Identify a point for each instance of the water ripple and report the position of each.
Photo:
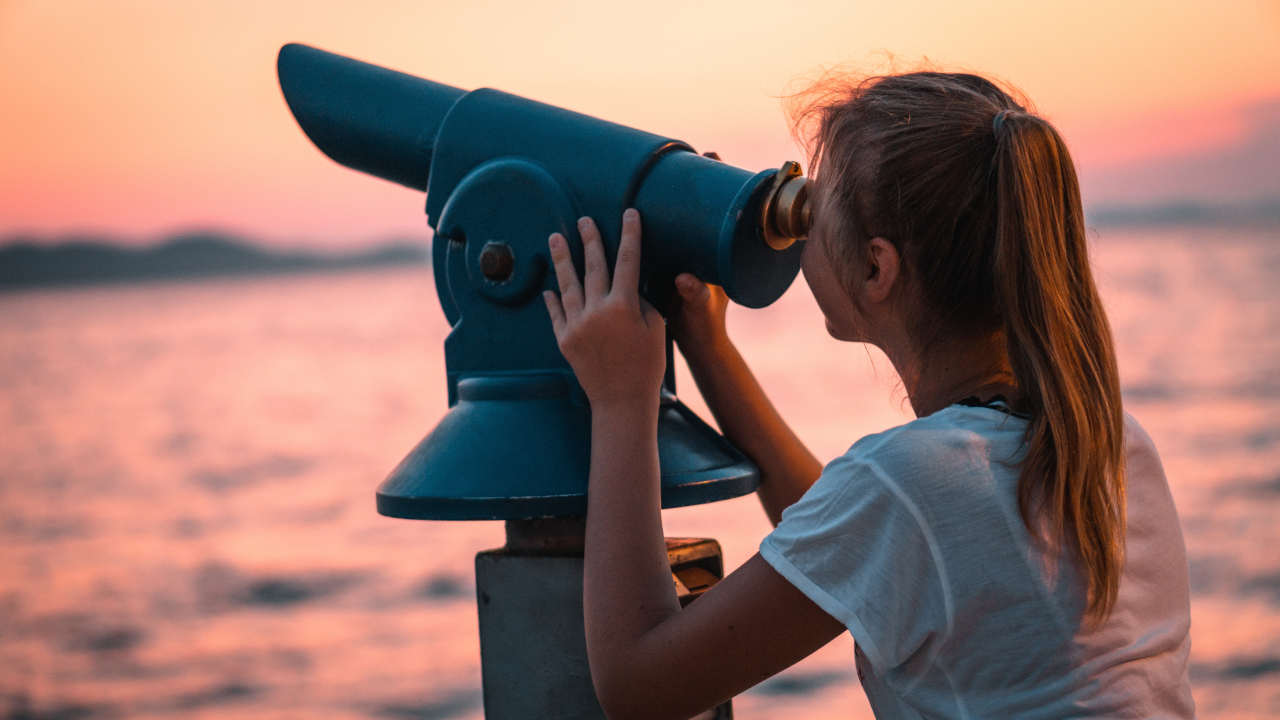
(452, 703)
(800, 683)
(247, 474)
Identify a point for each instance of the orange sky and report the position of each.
(141, 118)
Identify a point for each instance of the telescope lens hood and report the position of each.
(369, 118)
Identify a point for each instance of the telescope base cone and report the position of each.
(518, 447)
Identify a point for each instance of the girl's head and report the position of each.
(969, 201)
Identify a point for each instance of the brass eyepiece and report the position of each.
(785, 214)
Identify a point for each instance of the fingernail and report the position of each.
(631, 214)
(553, 239)
(582, 221)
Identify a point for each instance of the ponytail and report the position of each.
(1060, 350)
(987, 217)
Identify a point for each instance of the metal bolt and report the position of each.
(496, 261)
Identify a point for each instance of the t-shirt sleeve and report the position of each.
(855, 544)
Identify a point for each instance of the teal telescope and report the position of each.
(501, 173)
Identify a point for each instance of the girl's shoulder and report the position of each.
(1137, 442)
(961, 454)
(963, 434)
(957, 458)
(952, 438)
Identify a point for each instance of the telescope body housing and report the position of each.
(501, 173)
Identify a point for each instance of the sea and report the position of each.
(187, 476)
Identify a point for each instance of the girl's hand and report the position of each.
(699, 323)
(613, 339)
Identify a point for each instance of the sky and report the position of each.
(138, 119)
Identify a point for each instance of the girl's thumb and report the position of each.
(689, 286)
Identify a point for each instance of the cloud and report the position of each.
(1241, 170)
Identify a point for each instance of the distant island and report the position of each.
(1257, 213)
(29, 262)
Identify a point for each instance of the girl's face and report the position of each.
(842, 318)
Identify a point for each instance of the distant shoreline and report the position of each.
(1260, 214)
(34, 262)
(26, 264)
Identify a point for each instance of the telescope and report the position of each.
(501, 173)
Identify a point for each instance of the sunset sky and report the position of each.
(143, 118)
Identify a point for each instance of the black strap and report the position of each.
(998, 402)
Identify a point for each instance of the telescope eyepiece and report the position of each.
(785, 214)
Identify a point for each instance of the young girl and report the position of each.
(1012, 552)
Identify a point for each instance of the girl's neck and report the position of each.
(952, 370)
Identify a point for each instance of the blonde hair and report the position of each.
(987, 219)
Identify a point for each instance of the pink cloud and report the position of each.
(1239, 167)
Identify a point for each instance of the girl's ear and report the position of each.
(882, 272)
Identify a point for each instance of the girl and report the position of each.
(1012, 552)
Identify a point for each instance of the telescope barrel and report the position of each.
(364, 116)
(725, 224)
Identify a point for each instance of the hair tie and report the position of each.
(998, 121)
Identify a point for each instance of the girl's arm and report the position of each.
(741, 408)
(649, 658)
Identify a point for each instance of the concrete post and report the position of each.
(533, 652)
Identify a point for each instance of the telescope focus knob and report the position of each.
(496, 261)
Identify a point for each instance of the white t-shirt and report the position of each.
(913, 540)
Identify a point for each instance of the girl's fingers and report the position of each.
(596, 276)
(566, 276)
(650, 313)
(554, 311)
(691, 288)
(626, 274)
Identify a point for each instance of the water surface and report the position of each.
(186, 495)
